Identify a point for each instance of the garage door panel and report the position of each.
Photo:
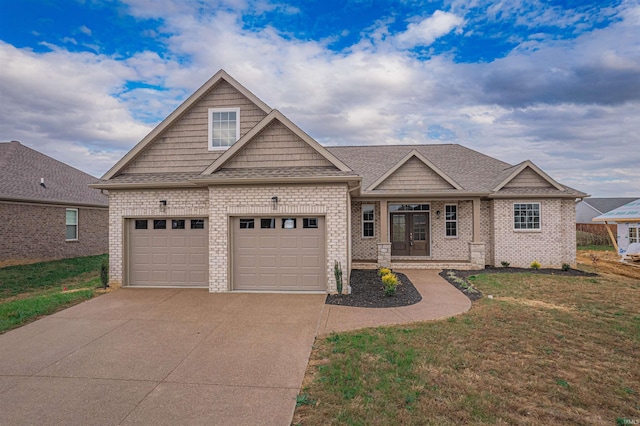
(168, 257)
(283, 259)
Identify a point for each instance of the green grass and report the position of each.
(28, 292)
(545, 350)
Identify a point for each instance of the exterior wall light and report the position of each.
(163, 205)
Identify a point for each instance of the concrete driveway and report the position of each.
(160, 356)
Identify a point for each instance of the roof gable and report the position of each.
(23, 169)
(528, 175)
(630, 212)
(183, 134)
(414, 172)
(275, 136)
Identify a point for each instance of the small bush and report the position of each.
(566, 266)
(390, 282)
(535, 265)
(384, 271)
(337, 271)
(505, 264)
(104, 273)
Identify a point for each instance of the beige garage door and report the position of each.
(281, 254)
(168, 252)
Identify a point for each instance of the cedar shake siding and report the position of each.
(183, 146)
(528, 179)
(32, 232)
(404, 179)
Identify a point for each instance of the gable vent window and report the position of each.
(224, 127)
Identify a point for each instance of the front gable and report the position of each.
(528, 175)
(414, 173)
(180, 143)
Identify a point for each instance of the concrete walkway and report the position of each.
(439, 300)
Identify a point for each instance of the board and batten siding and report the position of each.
(277, 146)
(528, 179)
(184, 147)
(414, 175)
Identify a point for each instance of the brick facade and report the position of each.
(36, 232)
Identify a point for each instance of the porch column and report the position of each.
(384, 246)
(476, 221)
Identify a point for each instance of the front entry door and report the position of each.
(410, 234)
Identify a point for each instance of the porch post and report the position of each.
(384, 222)
(476, 221)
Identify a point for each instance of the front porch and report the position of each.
(416, 264)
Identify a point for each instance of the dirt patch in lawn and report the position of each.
(535, 303)
(608, 262)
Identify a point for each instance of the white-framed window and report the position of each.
(634, 234)
(526, 216)
(368, 220)
(72, 224)
(224, 127)
(451, 220)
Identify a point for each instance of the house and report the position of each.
(589, 208)
(627, 217)
(47, 211)
(227, 193)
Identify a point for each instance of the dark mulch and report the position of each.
(474, 294)
(367, 291)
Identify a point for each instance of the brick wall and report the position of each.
(34, 232)
(552, 245)
(327, 200)
(451, 248)
(364, 248)
(146, 203)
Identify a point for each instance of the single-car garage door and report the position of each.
(170, 252)
(279, 253)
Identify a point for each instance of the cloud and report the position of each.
(85, 30)
(425, 32)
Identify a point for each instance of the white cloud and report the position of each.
(85, 30)
(425, 32)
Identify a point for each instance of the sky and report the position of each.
(554, 82)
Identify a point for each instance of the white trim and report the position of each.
(456, 221)
(513, 217)
(210, 113)
(372, 221)
(71, 224)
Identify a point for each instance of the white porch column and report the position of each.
(384, 222)
(476, 221)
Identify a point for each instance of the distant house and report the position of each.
(589, 208)
(627, 217)
(229, 194)
(47, 211)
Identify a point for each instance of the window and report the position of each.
(451, 220)
(159, 224)
(526, 216)
(224, 127)
(268, 223)
(310, 222)
(368, 220)
(72, 224)
(141, 224)
(197, 223)
(289, 223)
(408, 207)
(177, 224)
(634, 234)
(246, 223)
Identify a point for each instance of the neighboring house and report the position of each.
(627, 217)
(229, 194)
(589, 208)
(47, 210)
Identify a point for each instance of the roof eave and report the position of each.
(143, 185)
(443, 195)
(272, 180)
(532, 195)
(54, 202)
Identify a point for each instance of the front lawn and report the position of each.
(30, 291)
(544, 350)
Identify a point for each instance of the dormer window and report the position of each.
(224, 127)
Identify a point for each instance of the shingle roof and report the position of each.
(604, 205)
(22, 168)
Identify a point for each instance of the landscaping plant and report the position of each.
(337, 271)
(535, 265)
(104, 273)
(390, 282)
(384, 271)
(505, 264)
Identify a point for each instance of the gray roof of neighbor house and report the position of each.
(21, 171)
(604, 205)
(473, 171)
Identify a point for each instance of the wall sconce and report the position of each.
(163, 205)
(274, 202)
(438, 214)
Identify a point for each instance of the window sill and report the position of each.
(527, 230)
(369, 238)
(72, 241)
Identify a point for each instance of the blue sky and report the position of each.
(556, 82)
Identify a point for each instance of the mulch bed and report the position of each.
(475, 295)
(367, 291)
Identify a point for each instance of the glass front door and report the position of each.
(410, 234)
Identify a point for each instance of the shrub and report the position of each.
(535, 265)
(384, 271)
(104, 273)
(337, 271)
(566, 266)
(390, 282)
(505, 264)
